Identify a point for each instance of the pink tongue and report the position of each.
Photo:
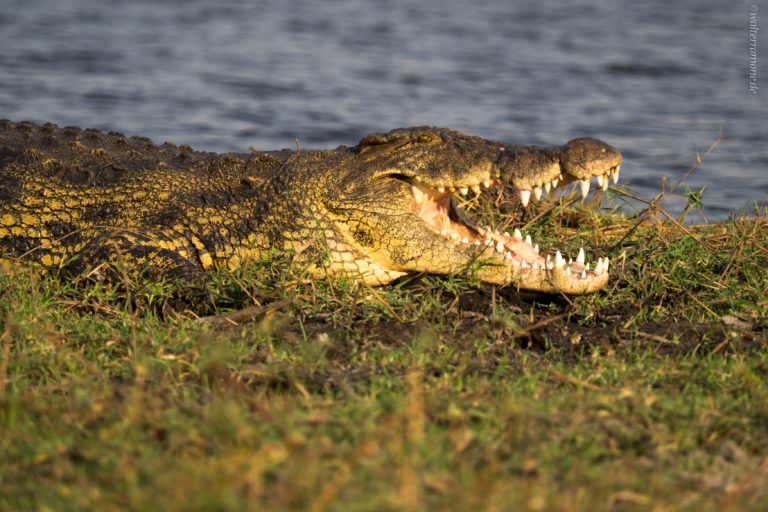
(521, 250)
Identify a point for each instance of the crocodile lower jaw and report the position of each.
(531, 270)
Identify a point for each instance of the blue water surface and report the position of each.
(659, 80)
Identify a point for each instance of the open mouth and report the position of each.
(437, 209)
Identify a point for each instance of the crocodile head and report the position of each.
(396, 206)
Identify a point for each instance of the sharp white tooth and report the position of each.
(549, 258)
(441, 189)
(537, 193)
(599, 266)
(550, 265)
(525, 197)
(559, 261)
(615, 174)
(487, 183)
(500, 247)
(536, 248)
(570, 260)
(454, 236)
(568, 270)
(465, 240)
(605, 263)
(584, 187)
(535, 266)
(444, 232)
(508, 255)
(528, 239)
(555, 182)
(476, 189)
(580, 257)
(517, 234)
(464, 191)
(548, 187)
(524, 264)
(477, 242)
(583, 274)
(587, 266)
(606, 181)
(600, 181)
(506, 234)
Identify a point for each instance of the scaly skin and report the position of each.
(94, 202)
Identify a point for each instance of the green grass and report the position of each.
(430, 394)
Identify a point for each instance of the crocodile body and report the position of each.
(100, 202)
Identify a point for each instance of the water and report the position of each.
(657, 79)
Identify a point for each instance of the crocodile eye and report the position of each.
(426, 138)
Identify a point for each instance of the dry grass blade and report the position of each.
(573, 380)
(5, 340)
(243, 315)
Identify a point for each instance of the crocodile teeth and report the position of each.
(518, 235)
(584, 187)
(568, 270)
(444, 233)
(600, 181)
(464, 191)
(547, 187)
(550, 265)
(441, 189)
(555, 182)
(615, 174)
(476, 189)
(506, 234)
(580, 257)
(508, 255)
(500, 247)
(537, 193)
(528, 239)
(525, 197)
(583, 274)
(602, 265)
(487, 183)
(606, 180)
(535, 266)
(536, 248)
(523, 264)
(465, 240)
(454, 236)
(559, 261)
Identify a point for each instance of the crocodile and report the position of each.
(101, 203)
